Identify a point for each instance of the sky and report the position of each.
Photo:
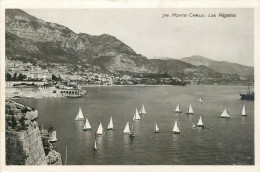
(148, 33)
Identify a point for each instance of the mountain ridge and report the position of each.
(31, 39)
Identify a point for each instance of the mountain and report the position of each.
(182, 69)
(31, 39)
(220, 66)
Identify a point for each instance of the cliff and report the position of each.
(24, 145)
(31, 39)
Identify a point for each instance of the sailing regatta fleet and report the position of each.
(137, 116)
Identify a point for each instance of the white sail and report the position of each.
(193, 126)
(225, 114)
(143, 111)
(136, 116)
(244, 110)
(79, 115)
(87, 125)
(200, 100)
(176, 128)
(200, 123)
(127, 128)
(177, 108)
(156, 128)
(100, 129)
(190, 110)
(110, 125)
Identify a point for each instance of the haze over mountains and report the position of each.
(31, 39)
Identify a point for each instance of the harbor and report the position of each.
(219, 141)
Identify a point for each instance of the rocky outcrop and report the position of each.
(24, 144)
(31, 39)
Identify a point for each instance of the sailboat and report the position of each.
(100, 130)
(200, 123)
(87, 125)
(142, 111)
(244, 111)
(190, 110)
(177, 110)
(95, 146)
(79, 115)
(127, 129)
(225, 114)
(110, 125)
(193, 126)
(136, 116)
(156, 129)
(176, 128)
(201, 100)
(132, 134)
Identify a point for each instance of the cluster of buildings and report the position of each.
(69, 72)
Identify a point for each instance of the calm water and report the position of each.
(223, 141)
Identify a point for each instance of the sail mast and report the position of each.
(66, 156)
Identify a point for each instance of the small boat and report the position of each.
(136, 116)
(127, 129)
(176, 129)
(100, 130)
(156, 129)
(244, 111)
(177, 110)
(87, 125)
(193, 126)
(200, 123)
(201, 100)
(110, 125)
(79, 115)
(249, 95)
(132, 134)
(225, 114)
(142, 111)
(95, 146)
(16, 97)
(190, 110)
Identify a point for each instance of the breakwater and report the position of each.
(24, 142)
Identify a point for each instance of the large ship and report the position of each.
(249, 95)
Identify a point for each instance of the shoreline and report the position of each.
(86, 86)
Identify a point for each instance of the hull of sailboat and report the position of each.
(176, 132)
(200, 125)
(178, 111)
(225, 116)
(156, 131)
(80, 119)
(110, 128)
(127, 132)
(132, 135)
(188, 113)
(86, 129)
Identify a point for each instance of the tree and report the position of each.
(8, 77)
(21, 77)
(14, 77)
(54, 78)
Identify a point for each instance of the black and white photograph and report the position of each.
(128, 86)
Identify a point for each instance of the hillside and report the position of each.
(31, 39)
(220, 66)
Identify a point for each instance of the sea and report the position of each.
(221, 142)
